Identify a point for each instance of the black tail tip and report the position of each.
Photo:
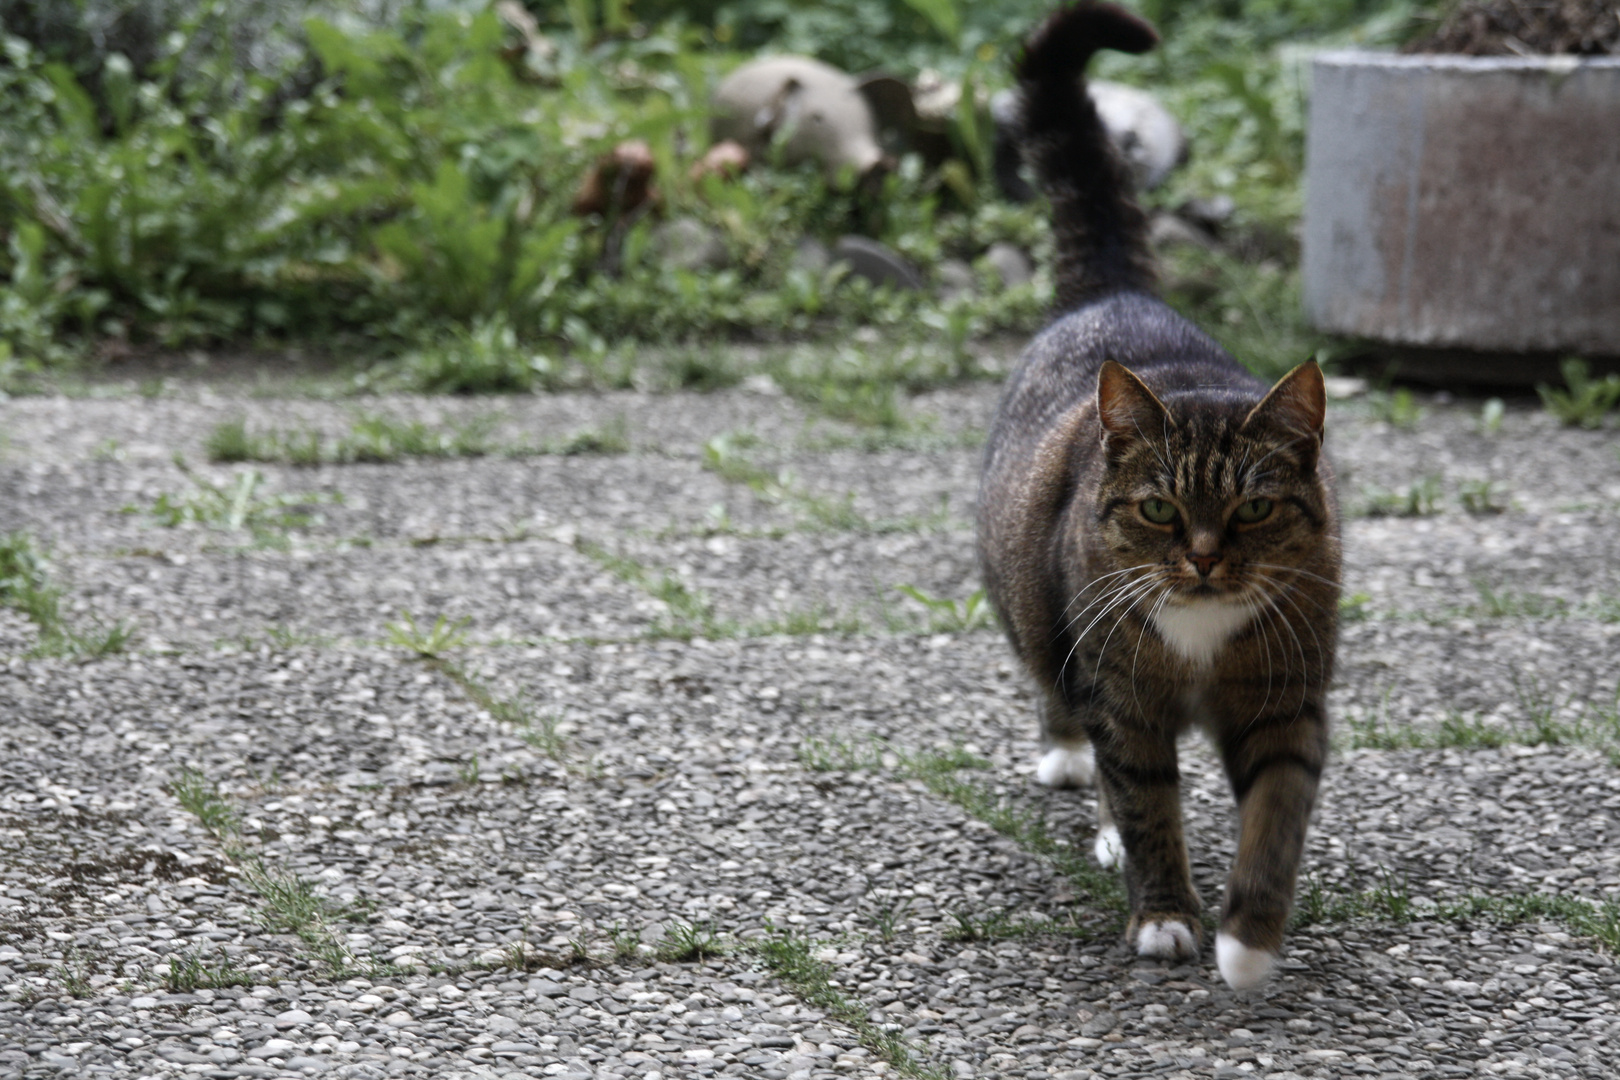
(1068, 38)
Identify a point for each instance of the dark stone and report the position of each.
(877, 263)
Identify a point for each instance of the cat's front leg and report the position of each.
(1139, 794)
(1066, 759)
(1274, 764)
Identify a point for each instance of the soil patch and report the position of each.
(1526, 28)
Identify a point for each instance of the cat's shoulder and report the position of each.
(1138, 330)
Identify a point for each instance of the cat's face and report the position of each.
(1212, 506)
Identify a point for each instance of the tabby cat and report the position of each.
(1158, 533)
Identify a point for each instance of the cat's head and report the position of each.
(1214, 498)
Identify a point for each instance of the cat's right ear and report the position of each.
(1127, 408)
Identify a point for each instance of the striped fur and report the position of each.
(1135, 631)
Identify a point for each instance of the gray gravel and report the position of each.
(501, 897)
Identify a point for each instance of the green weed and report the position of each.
(685, 942)
(240, 506)
(371, 439)
(792, 959)
(1391, 900)
(626, 943)
(889, 919)
(1491, 415)
(689, 613)
(74, 974)
(1421, 498)
(432, 643)
(612, 437)
(1480, 497)
(288, 902)
(1470, 733)
(836, 754)
(200, 796)
(1398, 408)
(484, 359)
(940, 771)
(194, 971)
(947, 615)
(1586, 401)
(26, 587)
(1504, 604)
(1353, 607)
(1370, 729)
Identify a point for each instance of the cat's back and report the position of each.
(1056, 378)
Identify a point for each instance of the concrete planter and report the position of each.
(1465, 202)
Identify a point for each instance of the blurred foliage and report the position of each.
(384, 178)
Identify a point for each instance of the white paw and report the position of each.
(1168, 940)
(1063, 767)
(1243, 968)
(1109, 848)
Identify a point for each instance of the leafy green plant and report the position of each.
(74, 974)
(612, 437)
(1398, 408)
(26, 586)
(947, 615)
(1504, 603)
(195, 970)
(239, 506)
(792, 958)
(1491, 415)
(1481, 497)
(200, 796)
(626, 943)
(684, 942)
(1586, 401)
(486, 358)
(432, 643)
(1353, 607)
(1421, 498)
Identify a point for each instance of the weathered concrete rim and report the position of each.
(1562, 64)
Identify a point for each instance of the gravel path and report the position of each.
(699, 792)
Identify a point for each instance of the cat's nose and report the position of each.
(1204, 563)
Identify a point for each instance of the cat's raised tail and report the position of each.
(1101, 233)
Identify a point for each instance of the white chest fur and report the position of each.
(1198, 630)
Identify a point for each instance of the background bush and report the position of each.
(383, 177)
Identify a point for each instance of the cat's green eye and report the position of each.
(1255, 510)
(1159, 511)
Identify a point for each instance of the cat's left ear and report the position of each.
(1298, 403)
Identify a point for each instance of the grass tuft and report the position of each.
(237, 506)
(687, 942)
(194, 971)
(26, 587)
(939, 771)
(432, 643)
(948, 615)
(200, 796)
(791, 958)
(1585, 401)
(1421, 498)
